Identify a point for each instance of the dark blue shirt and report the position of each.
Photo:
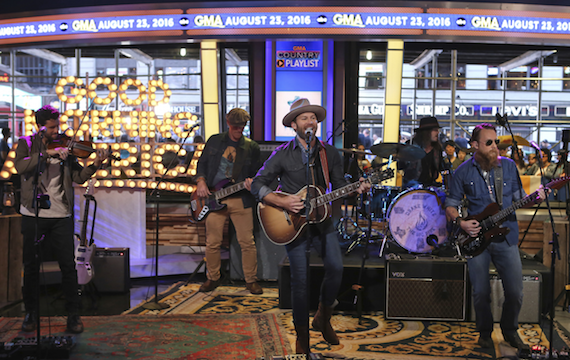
(468, 180)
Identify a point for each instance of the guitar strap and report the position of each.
(324, 163)
(499, 184)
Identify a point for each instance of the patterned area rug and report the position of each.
(372, 337)
(196, 336)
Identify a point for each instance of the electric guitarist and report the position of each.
(288, 163)
(485, 179)
(229, 156)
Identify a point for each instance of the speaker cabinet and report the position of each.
(530, 310)
(112, 270)
(426, 289)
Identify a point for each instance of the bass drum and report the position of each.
(416, 214)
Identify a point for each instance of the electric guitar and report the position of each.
(282, 227)
(84, 250)
(202, 206)
(490, 219)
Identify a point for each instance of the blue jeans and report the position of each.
(506, 259)
(325, 241)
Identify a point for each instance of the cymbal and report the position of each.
(356, 151)
(398, 151)
(507, 139)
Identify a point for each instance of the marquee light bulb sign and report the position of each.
(143, 124)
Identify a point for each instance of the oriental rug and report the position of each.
(371, 337)
(198, 336)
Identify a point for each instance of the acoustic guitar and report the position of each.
(282, 227)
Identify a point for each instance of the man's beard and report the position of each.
(487, 161)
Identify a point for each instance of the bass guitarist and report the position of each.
(288, 163)
(484, 179)
(230, 156)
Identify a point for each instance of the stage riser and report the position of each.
(373, 293)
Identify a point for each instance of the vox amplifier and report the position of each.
(426, 288)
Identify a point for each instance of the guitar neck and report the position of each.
(336, 194)
(501, 215)
(220, 194)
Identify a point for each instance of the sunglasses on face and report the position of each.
(490, 142)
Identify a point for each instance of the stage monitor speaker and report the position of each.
(426, 288)
(530, 310)
(112, 270)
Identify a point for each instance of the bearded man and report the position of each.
(479, 179)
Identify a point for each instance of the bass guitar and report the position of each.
(490, 219)
(282, 227)
(202, 206)
(84, 249)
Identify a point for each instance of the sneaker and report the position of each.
(30, 322)
(74, 324)
(485, 342)
(515, 341)
(210, 285)
(254, 288)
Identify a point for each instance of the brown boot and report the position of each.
(322, 323)
(302, 341)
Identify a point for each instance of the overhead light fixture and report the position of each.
(369, 55)
(138, 55)
(525, 59)
(182, 51)
(426, 56)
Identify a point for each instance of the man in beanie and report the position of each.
(288, 163)
(427, 170)
(230, 157)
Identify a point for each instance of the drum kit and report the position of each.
(413, 218)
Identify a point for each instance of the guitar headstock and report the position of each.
(379, 175)
(558, 183)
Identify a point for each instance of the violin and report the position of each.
(81, 149)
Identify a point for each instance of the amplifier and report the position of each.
(426, 288)
(530, 310)
(112, 269)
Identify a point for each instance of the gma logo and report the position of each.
(84, 25)
(485, 22)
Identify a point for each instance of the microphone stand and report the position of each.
(308, 140)
(554, 253)
(155, 305)
(37, 241)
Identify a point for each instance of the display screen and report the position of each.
(314, 22)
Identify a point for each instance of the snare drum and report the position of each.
(382, 197)
(416, 214)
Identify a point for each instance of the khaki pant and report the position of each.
(243, 223)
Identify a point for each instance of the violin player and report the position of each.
(58, 169)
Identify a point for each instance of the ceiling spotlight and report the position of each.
(182, 51)
(369, 55)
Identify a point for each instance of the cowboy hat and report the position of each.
(426, 123)
(302, 106)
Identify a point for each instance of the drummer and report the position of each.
(427, 170)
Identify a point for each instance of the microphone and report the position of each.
(500, 120)
(432, 241)
(194, 126)
(535, 145)
(42, 131)
(309, 135)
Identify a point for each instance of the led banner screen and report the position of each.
(274, 21)
(298, 74)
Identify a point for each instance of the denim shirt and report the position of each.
(288, 163)
(468, 180)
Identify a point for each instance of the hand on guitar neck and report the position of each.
(203, 191)
(296, 203)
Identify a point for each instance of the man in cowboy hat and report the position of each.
(427, 170)
(230, 156)
(288, 163)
